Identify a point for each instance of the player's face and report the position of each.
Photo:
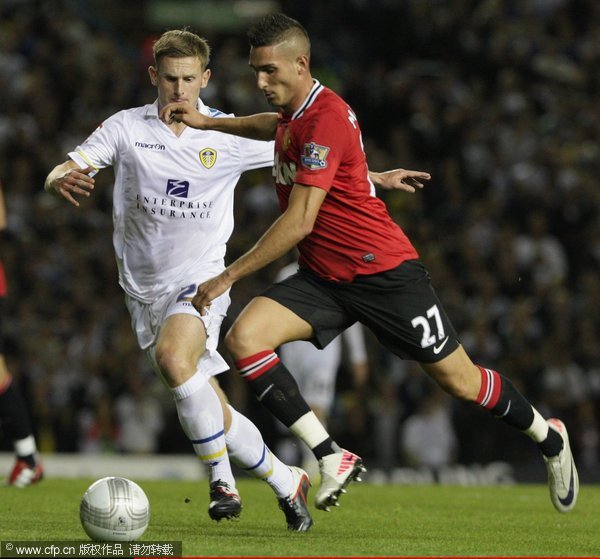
(178, 79)
(280, 75)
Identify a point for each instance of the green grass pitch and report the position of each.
(374, 520)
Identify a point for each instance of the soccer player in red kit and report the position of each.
(355, 264)
(320, 145)
(14, 416)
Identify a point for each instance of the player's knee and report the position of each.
(456, 389)
(237, 341)
(457, 383)
(174, 368)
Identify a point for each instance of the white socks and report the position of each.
(201, 417)
(538, 430)
(25, 447)
(309, 429)
(248, 450)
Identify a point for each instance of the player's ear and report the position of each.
(153, 73)
(302, 63)
(205, 77)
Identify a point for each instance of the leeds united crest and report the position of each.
(208, 157)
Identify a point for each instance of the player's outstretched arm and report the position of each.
(286, 232)
(68, 179)
(399, 179)
(260, 126)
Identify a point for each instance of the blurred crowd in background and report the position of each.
(498, 99)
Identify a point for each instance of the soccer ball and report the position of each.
(114, 509)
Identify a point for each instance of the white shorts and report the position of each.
(147, 319)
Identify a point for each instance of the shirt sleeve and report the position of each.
(256, 154)
(100, 149)
(321, 144)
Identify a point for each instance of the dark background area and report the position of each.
(497, 99)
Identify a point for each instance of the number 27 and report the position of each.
(428, 338)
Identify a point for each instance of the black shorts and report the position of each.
(399, 306)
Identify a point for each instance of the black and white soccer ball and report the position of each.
(114, 509)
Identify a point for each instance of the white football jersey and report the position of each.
(173, 195)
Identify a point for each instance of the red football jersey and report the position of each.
(320, 145)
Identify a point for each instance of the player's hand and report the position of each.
(74, 182)
(208, 291)
(184, 111)
(400, 179)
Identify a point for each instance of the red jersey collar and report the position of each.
(310, 99)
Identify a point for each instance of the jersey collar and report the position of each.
(152, 110)
(310, 99)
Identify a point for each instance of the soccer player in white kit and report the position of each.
(172, 216)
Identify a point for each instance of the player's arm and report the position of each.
(68, 179)
(260, 126)
(287, 231)
(399, 179)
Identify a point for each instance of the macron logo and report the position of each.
(144, 145)
(178, 188)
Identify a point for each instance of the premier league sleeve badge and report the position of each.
(314, 156)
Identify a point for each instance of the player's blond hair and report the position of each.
(180, 43)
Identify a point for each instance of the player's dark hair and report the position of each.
(273, 29)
